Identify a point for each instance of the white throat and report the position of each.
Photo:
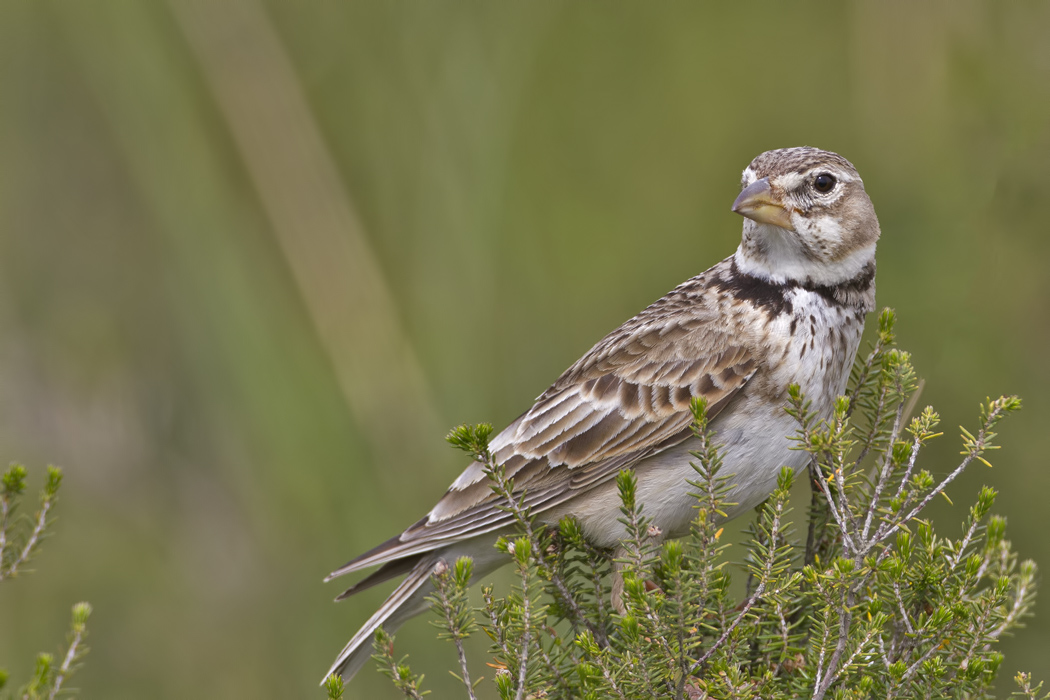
(774, 254)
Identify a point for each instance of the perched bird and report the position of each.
(787, 307)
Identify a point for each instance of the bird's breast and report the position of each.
(818, 341)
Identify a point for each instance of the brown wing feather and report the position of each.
(625, 400)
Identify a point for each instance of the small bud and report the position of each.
(810, 574)
(44, 662)
(627, 484)
(14, 480)
(895, 566)
(54, 480)
(587, 671)
(629, 627)
(974, 668)
(941, 616)
(973, 565)
(463, 571)
(996, 530)
(985, 500)
(886, 320)
(522, 550)
(698, 405)
(844, 566)
(472, 439)
(901, 452)
(654, 531)
(926, 534)
(673, 555)
(440, 568)
(923, 480)
(504, 683)
(334, 686)
(569, 529)
(81, 612)
(841, 407)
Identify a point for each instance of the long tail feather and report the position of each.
(407, 600)
(392, 569)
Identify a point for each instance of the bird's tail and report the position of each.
(407, 600)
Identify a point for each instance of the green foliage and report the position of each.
(1027, 690)
(396, 670)
(456, 617)
(334, 685)
(871, 603)
(19, 539)
(472, 439)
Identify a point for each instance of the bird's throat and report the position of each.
(777, 256)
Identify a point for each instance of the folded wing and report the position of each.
(625, 400)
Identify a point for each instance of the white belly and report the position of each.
(755, 447)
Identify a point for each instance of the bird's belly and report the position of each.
(754, 448)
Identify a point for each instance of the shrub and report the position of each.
(867, 601)
(20, 538)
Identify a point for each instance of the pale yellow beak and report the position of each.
(758, 203)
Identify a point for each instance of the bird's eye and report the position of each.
(824, 183)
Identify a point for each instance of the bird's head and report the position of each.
(808, 218)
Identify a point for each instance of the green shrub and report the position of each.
(20, 539)
(867, 601)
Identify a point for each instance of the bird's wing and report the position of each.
(625, 400)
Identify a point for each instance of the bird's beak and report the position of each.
(758, 203)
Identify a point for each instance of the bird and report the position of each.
(787, 307)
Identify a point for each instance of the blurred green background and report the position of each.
(256, 257)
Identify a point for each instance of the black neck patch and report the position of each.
(848, 293)
(774, 297)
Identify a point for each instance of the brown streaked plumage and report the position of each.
(787, 307)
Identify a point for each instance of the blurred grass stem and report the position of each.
(315, 223)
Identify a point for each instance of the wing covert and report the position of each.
(628, 398)
(600, 417)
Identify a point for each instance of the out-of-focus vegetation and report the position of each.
(21, 534)
(255, 258)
